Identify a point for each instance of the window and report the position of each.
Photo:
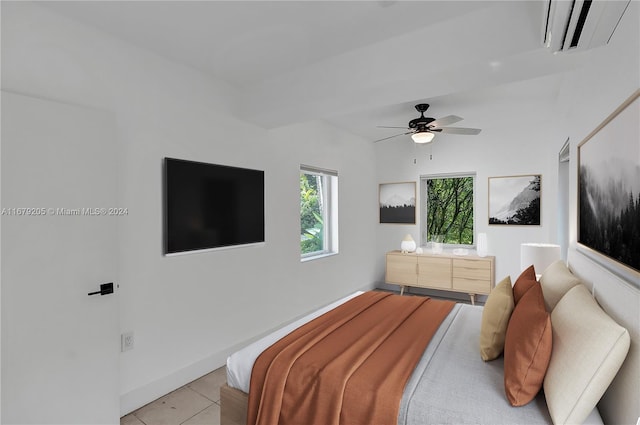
(448, 208)
(318, 213)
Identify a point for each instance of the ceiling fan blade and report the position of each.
(457, 130)
(384, 126)
(391, 137)
(449, 119)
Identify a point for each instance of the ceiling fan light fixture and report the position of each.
(422, 137)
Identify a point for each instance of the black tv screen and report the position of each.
(211, 206)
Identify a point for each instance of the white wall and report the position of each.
(530, 135)
(189, 312)
(505, 151)
(589, 97)
(585, 98)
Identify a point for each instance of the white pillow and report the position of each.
(556, 280)
(588, 350)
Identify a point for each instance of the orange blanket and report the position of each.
(348, 366)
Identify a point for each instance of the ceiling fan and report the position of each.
(423, 129)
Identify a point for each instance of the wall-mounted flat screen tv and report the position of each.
(211, 206)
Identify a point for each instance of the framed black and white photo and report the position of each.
(609, 191)
(398, 203)
(515, 200)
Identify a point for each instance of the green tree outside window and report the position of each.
(449, 209)
(311, 207)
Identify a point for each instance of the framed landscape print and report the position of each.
(515, 200)
(398, 203)
(609, 191)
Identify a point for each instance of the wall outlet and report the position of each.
(126, 341)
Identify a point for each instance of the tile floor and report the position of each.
(197, 403)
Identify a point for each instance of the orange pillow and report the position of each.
(524, 282)
(527, 348)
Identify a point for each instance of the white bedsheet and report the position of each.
(240, 363)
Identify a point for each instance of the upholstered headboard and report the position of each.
(621, 300)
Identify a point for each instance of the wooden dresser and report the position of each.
(459, 273)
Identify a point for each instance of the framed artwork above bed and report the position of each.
(609, 192)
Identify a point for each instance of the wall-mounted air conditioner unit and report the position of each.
(580, 24)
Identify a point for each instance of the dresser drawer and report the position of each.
(472, 276)
(472, 286)
(475, 269)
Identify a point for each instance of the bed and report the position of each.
(451, 383)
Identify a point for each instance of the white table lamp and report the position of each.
(407, 245)
(541, 255)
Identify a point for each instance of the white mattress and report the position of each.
(240, 364)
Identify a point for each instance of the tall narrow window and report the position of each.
(318, 212)
(448, 212)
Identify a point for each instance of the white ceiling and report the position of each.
(355, 64)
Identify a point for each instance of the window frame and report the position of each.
(329, 193)
(425, 208)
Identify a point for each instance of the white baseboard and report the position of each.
(145, 394)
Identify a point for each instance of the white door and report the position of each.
(60, 346)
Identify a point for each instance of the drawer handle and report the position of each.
(471, 279)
